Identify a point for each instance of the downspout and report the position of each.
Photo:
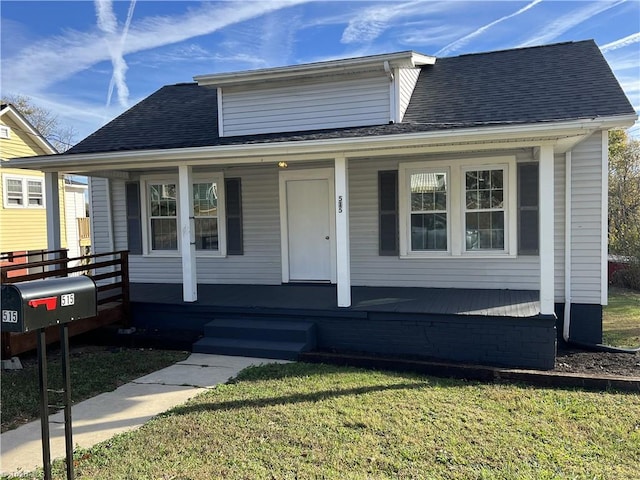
(567, 247)
(566, 326)
(393, 100)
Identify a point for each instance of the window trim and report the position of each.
(218, 178)
(510, 208)
(405, 208)
(456, 204)
(200, 177)
(24, 180)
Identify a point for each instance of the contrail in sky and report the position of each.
(623, 42)
(108, 23)
(461, 42)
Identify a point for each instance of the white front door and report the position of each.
(308, 243)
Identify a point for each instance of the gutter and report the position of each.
(352, 146)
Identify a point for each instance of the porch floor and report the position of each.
(451, 301)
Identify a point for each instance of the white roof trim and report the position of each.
(408, 59)
(534, 134)
(37, 137)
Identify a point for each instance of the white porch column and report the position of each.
(186, 234)
(343, 257)
(52, 202)
(546, 215)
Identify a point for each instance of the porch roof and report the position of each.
(305, 298)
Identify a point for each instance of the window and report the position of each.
(34, 193)
(23, 192)
(458, 207)
(5, 132)
(163, 216)
(484, 209)
(428, 211)
(205, 212)
(161, 202)
(14, 192)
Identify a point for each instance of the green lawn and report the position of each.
(93, 371)
(315, 421)
(621, 318)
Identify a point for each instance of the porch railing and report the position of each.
(109, 270)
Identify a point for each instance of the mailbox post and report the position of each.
(34, 306)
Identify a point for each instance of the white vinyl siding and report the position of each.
(344, 103)
(586, 220)
(260, 263)
(559, 202)
(407, 83)
(100, 224)
(370, 269)
(119, 212)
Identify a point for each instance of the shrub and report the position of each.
(629, 276)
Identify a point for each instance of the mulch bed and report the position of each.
(574, 360)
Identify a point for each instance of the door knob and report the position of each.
(327, 237)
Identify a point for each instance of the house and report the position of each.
(453, 208)
(23, 219)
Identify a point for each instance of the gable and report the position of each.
(19, 138)
(368, 91)
(17, 142)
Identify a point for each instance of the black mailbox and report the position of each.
(28, 306)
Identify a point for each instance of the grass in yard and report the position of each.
(621, 318)
(316, 421)
(94, 371)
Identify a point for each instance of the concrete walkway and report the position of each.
(126, 408)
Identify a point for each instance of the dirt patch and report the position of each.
(573, 360)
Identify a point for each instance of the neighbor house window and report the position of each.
(35, 196)
(458, 207)
(484, 209)
(205, 212)
(25, 192)
(163, 215)
(428, 211)
(5, 132)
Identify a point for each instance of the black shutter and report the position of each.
(528, 233)
(233, 196)
(388, 212)
(134, 220)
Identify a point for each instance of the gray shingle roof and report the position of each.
(565, 81)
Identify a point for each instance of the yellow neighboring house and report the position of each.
(23, 225)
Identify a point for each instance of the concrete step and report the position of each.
(250, 348)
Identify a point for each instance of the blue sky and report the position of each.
(90, 61)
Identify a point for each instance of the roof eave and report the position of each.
(353, 147)
(408, 59)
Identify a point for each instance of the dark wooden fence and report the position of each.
(110, 271)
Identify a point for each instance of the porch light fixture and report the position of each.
(283, 164)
